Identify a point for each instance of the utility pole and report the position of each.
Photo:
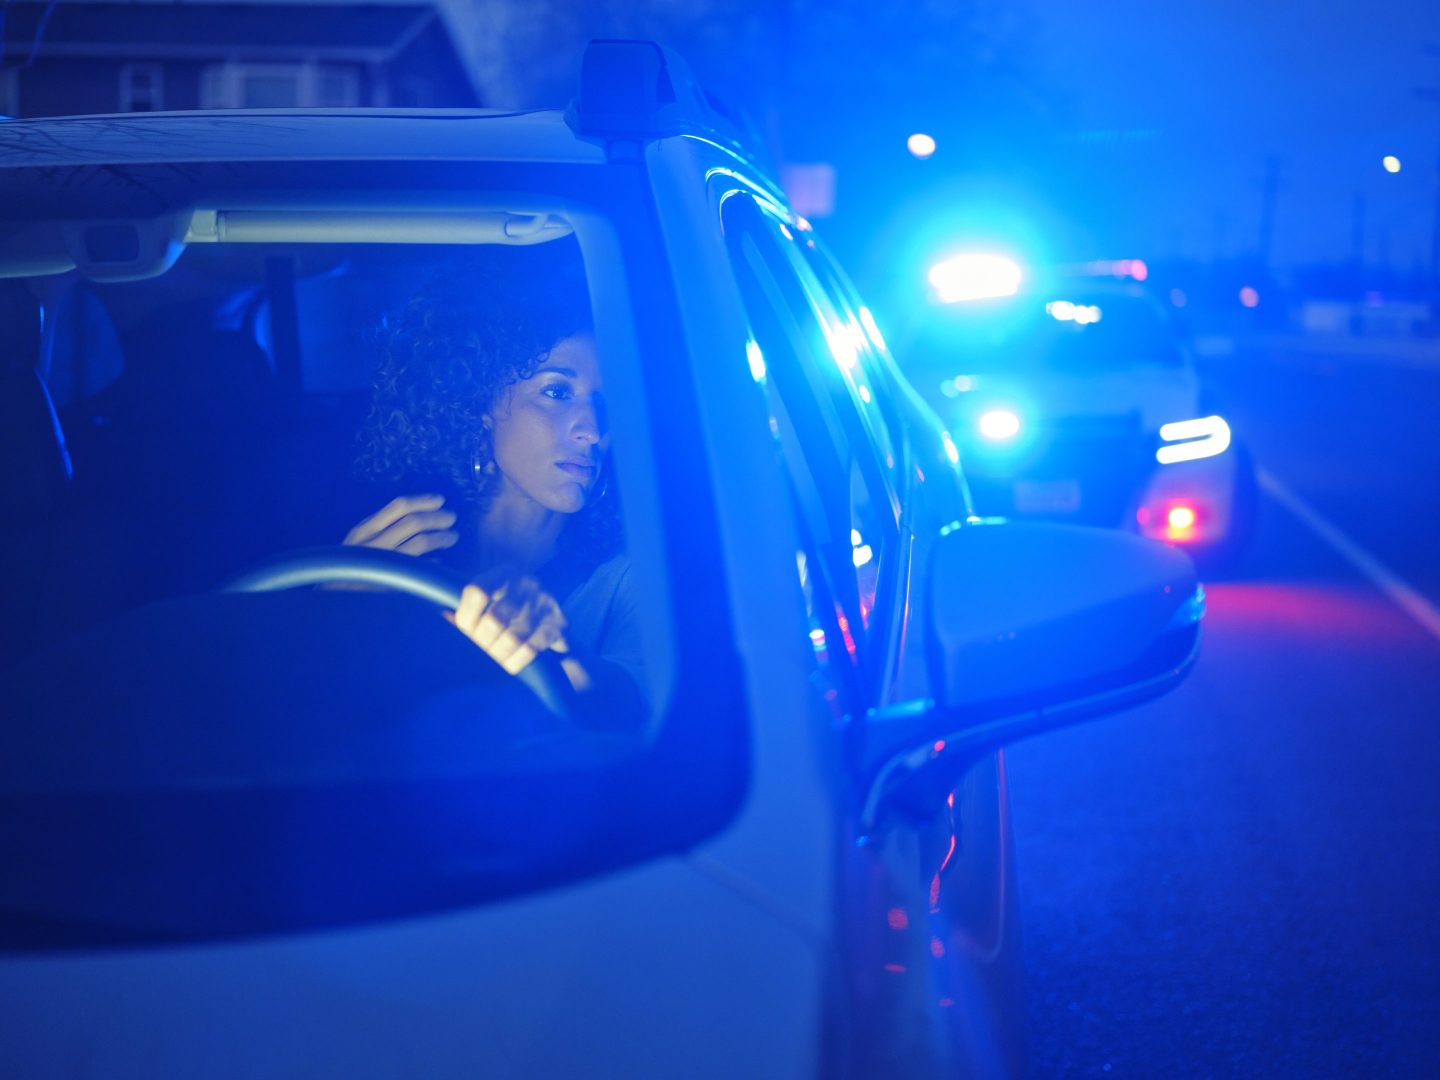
(1431, 93)
(1267, 212)
(1357, 234)
(1219, 232)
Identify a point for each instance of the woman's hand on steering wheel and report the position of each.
(513, 620)
(509, 616)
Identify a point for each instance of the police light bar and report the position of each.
(1119, 268)
(999, 425)
(975, 277)
(1065, 311)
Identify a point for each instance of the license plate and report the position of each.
(1047, 496)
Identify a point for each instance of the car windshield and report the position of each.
(210, 385)
(1064, 331)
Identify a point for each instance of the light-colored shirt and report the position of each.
(603, 619)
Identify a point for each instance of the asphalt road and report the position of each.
(1243, 878)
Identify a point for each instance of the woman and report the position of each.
(488, 399)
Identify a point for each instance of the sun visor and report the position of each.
(33, 251)
(120, 250)
(373, 227)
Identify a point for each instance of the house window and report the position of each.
(141, 87)
(412, 93)
(9, 93)
(279, 86)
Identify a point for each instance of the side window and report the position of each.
(9, 92)
(870, 345)
(242, 85)
(142, 88)
(836, 447)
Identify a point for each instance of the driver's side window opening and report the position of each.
(838, 459)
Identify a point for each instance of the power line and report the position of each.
(40, 28)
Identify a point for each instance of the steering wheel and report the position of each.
(405, 574)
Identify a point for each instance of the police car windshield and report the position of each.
(1059, 331)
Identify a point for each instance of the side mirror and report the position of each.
(1031, 627)
(1032, 616)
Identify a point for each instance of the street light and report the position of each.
(920, 144)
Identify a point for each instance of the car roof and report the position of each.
(296, 134)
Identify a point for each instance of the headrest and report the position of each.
(19, 327)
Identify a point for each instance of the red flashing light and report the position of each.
(1180, 517)
(1180, 521)
(1175, 522)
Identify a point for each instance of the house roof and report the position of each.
(365, 32)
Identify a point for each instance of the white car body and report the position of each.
(813, 932)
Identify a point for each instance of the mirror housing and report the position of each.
(1030, 627)
(1026, 615)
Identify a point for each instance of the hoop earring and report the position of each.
(601, 489)
(482, 471)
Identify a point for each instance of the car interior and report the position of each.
(164, 434)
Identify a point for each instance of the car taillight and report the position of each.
(1175, 522)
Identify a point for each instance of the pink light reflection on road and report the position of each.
(1318, 610)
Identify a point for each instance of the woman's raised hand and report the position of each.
(509, 615)
(513, 621)
(411, 525)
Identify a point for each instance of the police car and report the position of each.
(254, 828)
(1073, 396)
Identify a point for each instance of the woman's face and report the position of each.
(549, 431)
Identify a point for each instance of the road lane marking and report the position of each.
(1381, 576)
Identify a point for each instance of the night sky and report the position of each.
(1118, 127)
(1325, 88)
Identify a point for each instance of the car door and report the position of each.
(923, 895)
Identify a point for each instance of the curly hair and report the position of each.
(476, 328)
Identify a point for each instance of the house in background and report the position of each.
(104, 56)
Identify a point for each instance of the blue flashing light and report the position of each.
(1080, 314)
(999, 424)
(975, 277)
